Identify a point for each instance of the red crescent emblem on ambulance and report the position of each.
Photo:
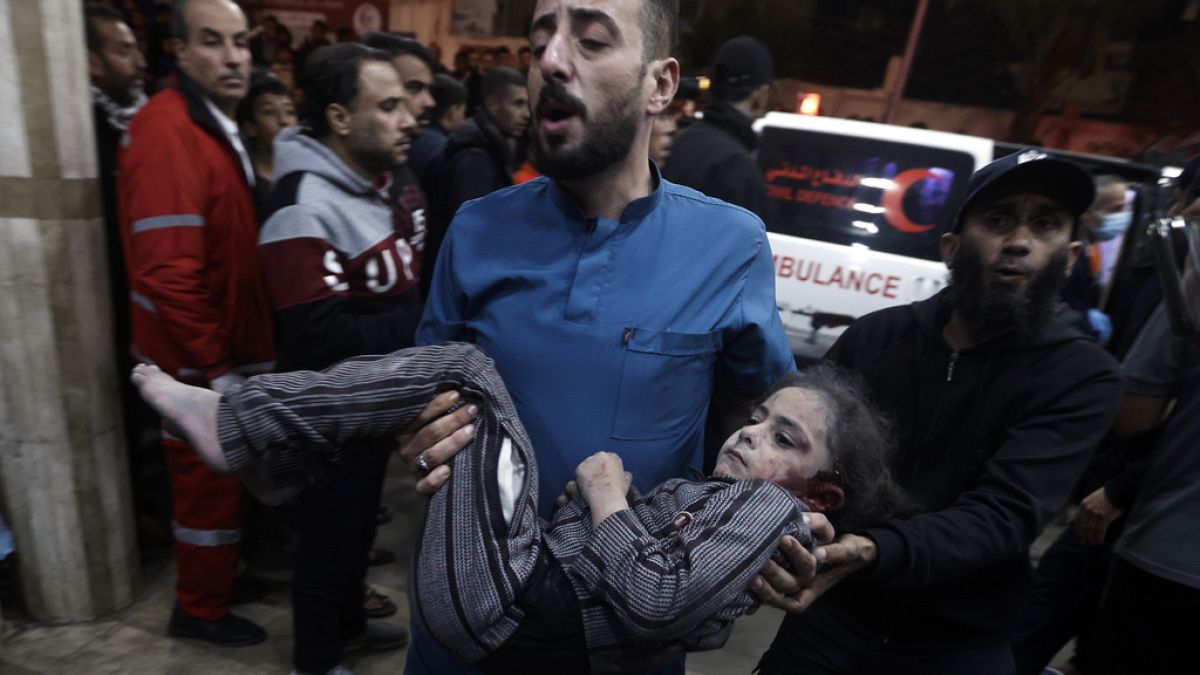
(893, 200)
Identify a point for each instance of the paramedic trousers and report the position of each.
(206, 509)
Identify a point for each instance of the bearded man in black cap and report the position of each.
(716, 155)
(999, 401)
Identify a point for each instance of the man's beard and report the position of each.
(127, 96)
(372, 155)
(606, 142)
(991, 309)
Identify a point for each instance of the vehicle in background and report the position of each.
(854, 213)
(855, 210)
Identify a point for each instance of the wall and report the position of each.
(64, 483)
(430, 20)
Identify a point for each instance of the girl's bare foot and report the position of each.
(188, 412)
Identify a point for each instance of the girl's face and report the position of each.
(783, 442)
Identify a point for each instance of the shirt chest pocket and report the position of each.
(666, 380)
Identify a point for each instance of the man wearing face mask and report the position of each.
(1106, 222)
(1102, 229)
(716, 155)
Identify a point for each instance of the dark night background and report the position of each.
(1010, 54)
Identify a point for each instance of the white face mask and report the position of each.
(1113, 225)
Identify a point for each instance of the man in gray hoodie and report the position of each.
(342, 265)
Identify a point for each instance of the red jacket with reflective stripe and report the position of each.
(198, 303)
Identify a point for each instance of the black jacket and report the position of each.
(990, 442)
(477, 161)
(108, 138)
(716, 157)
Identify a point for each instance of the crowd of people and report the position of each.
(534, 282)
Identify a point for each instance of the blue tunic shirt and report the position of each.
(608, 333)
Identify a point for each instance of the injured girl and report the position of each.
(617, 580)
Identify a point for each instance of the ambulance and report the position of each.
(854, 212)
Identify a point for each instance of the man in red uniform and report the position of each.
(198, 303)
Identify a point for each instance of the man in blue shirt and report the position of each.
(608, 297)
(608, 332)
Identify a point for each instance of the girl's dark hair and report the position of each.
(860, 438)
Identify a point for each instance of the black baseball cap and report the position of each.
(1188, 181)
(741, 63)
(1031, 170)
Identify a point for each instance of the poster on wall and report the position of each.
(474, 17)
(360, 16)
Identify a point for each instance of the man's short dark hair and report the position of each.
(502, 49)
(94, 12)
(446, 92)
(500, 78)
(267, 84)
(331, 76)
(398, 44)
(660, 26)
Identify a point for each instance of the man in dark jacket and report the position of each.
(117, 72)
(716, 155)
(449, 112)
(480, 156)
(482, 153)
(999, 401)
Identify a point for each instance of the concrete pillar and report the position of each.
(64, 483)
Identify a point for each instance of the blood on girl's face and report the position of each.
(784, 441)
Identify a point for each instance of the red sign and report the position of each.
(847, 279)
(893, 200)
